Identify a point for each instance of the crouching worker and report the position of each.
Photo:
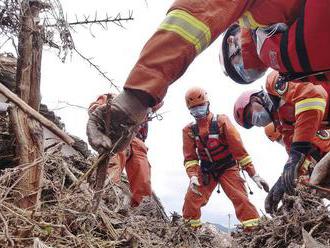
(213, 154)
(134, 158)
(299, 113)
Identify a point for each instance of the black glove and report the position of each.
(295, 161)
(274, 196)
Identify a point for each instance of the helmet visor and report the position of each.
(231, 59)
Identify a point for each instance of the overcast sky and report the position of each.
(116, 51)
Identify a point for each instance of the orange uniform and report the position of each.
(300, 113)
(302, 108)
(303, 48)
(230, 154)
(134, 159)
(189, 28)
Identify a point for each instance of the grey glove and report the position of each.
(261, 183)
(194, 185)
(96, 130)
(118, 121)
(274, 196)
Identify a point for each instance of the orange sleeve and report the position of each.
(235, 145)
(99, 101)
(309, 101)
(191, 160)
(189, 28)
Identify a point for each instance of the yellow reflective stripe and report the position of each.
(310, 104)
(250, 223)
(195, 223)
(245, 161)
(189, 28)
(247, 20)
(190, 163)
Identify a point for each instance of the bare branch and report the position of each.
(96, 67)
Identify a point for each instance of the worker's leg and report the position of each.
(233, 185)
(138, 172)
(116, 166)
(193, 202)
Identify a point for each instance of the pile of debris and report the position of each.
(302, 221)
(65, 218)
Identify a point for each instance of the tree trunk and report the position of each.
(29, 135)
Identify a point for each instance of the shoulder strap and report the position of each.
(194, 129)
(214, 127)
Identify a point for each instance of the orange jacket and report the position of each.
(232, 139)
(302, 108)
(189, 28)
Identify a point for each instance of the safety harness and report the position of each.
(213, 152)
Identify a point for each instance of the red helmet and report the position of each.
(241, 103)
(236, 71)
(196, 96)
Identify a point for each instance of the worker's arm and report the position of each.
(310, 105)
(189, 28)
(191, 160)
(236, 145)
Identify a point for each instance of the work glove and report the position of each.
(291, 168)
(261, 183)
(96, 130)
(194, 184)
(115, 125)
(274, 196)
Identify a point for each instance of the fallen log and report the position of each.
(30, 111)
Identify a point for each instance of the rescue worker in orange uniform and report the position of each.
(134, 158)
(297, 50)
(213, 154)
(189, 28)
(297, 111)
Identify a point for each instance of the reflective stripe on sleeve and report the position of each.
(247, 20)
(310, 104)
(190, 163)
(245, 161)
(189, 28)
(251, 223)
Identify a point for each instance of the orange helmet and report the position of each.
(196, 96)
(272, 133)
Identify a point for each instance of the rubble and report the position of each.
(64, 218)
(302, 221)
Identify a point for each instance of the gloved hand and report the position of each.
(96, 130)
(194, 184)
(291, 168)
(261, 183)
(274, 196)
(116, 124)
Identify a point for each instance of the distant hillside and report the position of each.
(223, 228)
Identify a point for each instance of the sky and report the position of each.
(116, 51)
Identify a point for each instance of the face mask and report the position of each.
(260, 118)
(199, 112)
(248, 75)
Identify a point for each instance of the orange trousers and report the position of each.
(138, 170)
(233, 186)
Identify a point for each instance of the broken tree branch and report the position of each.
(27, 109)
